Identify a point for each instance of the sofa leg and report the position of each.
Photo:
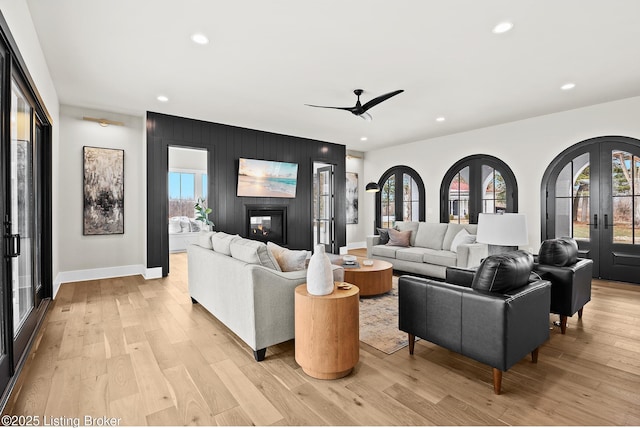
(193, 301)
(580, 313)
(412, 343)
(497, 381)
(259, 354)
(534, 355)
(563, 324)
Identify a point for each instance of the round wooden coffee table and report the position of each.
(371, 280)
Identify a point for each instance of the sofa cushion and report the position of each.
(385, 251)
(501, 273)
(463, 237)
(288, 260)
(440, 257)
(250, 251)
(430, 235)
(558, 252)
(204, 239)
(399, 238)
(384, 235)
(408, 225)
(221, 242)
(412, 254)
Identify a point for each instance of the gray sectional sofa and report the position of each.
(430, 251)
(241, 284)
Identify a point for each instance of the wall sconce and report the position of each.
(103, 122)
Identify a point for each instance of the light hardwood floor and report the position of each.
(140, 351)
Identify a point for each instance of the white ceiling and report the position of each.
(267, 58)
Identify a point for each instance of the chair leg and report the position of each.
(563, 324)
(497, 381)
(580, 313)
(412, 343)
(534, 355)
(260, 354)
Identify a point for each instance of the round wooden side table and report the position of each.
(327, 335)
(371, 280)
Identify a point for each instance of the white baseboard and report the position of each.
(103, 273)
(355, 245)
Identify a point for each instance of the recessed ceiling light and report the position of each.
(163, 98)
(568, 86)
(502, 27)
(199, 38)
(363, 138)
(440, 119)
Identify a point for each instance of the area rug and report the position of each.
(379, 321)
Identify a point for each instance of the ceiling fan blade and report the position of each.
(374, 102)
(338, 108)
(366, 116)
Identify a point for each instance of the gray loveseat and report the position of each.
(430, 251)
(238, 282)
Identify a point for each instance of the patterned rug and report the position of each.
(379, 321)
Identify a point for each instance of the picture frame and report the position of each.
(103, 191)
(352, 197)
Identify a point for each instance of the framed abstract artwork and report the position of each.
(352, 198)
(103, 187)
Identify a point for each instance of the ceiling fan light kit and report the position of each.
(361, 109)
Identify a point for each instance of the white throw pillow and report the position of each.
(463, 237)
(288, 260)
(174, 225)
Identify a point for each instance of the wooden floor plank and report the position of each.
(142, 352)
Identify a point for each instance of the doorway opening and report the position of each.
(324, 206)
(188, 177)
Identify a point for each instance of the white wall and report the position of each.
(90, 257)
(18, 17)
(355, 164)
(527, 146)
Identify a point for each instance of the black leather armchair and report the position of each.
(496, 318)
(570, 277)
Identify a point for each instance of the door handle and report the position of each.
(606, 222)
(13, 245)
(595, 221)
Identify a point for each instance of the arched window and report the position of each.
(477, 184)
(401, 197)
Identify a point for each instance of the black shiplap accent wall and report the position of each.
(225, 145)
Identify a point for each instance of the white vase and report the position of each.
(319, 273)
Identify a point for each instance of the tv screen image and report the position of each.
(267, 179)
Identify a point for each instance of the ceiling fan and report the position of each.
(360, 110)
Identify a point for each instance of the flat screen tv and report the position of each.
(267, 179)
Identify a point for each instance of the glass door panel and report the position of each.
(22, 212)
(323, 222)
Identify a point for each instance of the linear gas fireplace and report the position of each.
(267, 223)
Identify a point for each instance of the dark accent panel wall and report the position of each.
(225, 145)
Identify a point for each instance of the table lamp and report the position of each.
(502, 232)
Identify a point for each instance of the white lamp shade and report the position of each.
(502, 229)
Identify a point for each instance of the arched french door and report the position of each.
(591, 192)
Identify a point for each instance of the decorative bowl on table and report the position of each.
(367, 262)
(349, 259)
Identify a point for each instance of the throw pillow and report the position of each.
(408, 225)
(399, 238)
(463, 237)
(384, 236)
(174, 225)
(288, 260)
